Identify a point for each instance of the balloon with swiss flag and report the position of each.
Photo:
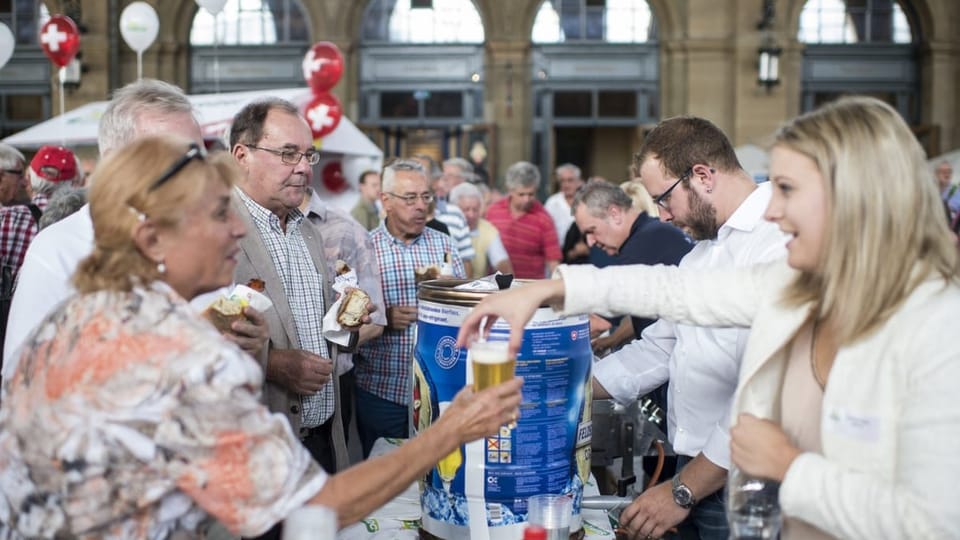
(322, 66)
(323, 113)
(60, 40)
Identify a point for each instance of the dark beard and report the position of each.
(702, 221)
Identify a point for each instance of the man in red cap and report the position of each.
(50, 169)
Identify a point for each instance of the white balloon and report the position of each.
(6, 44)
(213, 6)
(139, 25)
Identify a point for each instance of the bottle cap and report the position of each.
(535, 532)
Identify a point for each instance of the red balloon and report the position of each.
(323, 113)
(322, 66)
(332, 176)
(60, 39)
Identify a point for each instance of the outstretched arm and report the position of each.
(359, 490)
(516, 306)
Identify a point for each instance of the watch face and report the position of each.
(682, 495)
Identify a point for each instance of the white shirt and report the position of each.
(45, 280)
(559, 211)
(701, 363)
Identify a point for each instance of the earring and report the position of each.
(709, 190)
(161, 267)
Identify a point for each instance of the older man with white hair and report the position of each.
(490, 253)
(146, 107)
(558, 205)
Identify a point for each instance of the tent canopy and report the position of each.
(214, 112)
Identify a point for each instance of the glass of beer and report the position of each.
(492, 363)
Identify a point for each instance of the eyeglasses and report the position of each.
(290, 156)
(663, 201)
(411, 199)
(15, 172)
(193, 152)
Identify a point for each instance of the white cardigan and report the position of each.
(890, 424)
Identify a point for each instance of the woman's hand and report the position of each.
(516, 306)
(760, 448)
(474, 415)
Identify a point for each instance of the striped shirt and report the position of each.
(303, 287)
(17, 229)
(451, 216)
(383, 365)
(531, 239)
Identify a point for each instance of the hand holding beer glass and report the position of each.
(492, 365)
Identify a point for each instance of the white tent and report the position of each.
(356, 152)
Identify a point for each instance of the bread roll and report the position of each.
(353, 308)
(223, 311)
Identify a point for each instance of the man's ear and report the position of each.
(147, 239)
(705, 175)
(241, 153)
(615, 214)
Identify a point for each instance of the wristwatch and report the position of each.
(682, 494)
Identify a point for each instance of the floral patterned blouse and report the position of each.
(130, 417)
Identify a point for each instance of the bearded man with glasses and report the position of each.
(691, 170)
(403, 244)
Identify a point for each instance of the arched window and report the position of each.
(251, 22)
(612, 21)
(854, 21)
(422, 21)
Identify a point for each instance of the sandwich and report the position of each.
(426, 273)
(226, 309)
(353, 307)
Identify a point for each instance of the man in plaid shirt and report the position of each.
(403, 243)
(18, 226)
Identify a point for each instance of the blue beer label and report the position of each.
(548, 451)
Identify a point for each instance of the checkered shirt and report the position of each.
(303, 286)
(383, 366)
(17, 229)
(41, 200)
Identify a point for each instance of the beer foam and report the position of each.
(496, 352)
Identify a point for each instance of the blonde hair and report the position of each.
(123, 195)
(642, 200)
(885, 231)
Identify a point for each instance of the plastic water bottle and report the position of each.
(753, 507)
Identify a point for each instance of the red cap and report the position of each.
(54, 163)
(534, 532)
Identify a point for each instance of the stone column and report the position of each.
(507, 101)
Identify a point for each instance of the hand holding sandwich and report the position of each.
(251, 333)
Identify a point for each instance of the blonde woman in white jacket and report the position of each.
(848, 389)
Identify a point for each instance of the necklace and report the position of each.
(813, 356)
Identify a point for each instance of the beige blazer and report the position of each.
(254, 262)
(890, 422)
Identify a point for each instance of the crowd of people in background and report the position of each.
(88, 289)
